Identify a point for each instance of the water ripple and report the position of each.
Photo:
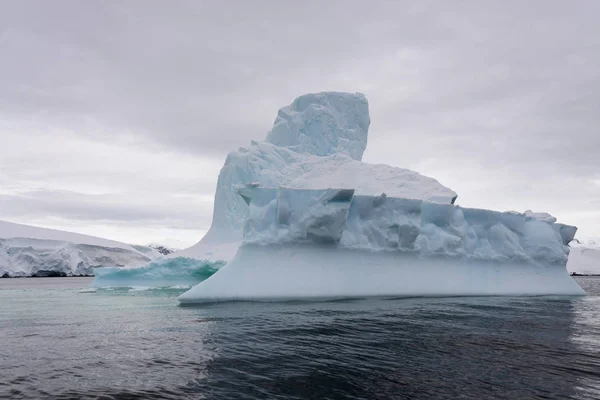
(61, 344)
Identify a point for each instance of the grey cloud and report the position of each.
(198, 74)
(181, 213)
(510, 88)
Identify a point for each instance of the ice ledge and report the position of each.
(380, 223)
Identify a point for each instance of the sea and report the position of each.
(61, 340)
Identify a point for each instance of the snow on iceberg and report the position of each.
(176, 272)
(316, 142)
(34, 251)
(333, 243)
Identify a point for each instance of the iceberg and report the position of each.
(33, 251)
(333, 243)
(299, 215)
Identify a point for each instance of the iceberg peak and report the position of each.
(323, 124)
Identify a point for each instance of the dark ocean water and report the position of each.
(58, 343)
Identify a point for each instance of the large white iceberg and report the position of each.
(393, 232)
(299, 215)
(33, 251)
(333, 243)
(316, 142)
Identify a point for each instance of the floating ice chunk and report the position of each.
(161, 273)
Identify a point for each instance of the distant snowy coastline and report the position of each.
(40, 252)
(584, 258)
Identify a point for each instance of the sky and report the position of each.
(116, 117)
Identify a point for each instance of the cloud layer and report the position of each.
(115, 118)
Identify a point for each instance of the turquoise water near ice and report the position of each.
(60, 340)
(178, 271)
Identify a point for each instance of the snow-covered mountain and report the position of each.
(33, 251)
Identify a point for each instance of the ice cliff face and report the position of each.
(333, 243)
(33, 251)
(316, 142)
(382, 223)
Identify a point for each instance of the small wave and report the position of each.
(183, 287)
(87, 290)
(139, 288)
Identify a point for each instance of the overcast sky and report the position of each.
(116, 116)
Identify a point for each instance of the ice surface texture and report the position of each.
(334, 243)
(323, 124)
(316, 142)
(383, 223)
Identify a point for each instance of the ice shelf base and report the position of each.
(304, 272)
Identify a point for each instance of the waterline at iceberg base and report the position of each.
(303, 244)
(305, 272)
